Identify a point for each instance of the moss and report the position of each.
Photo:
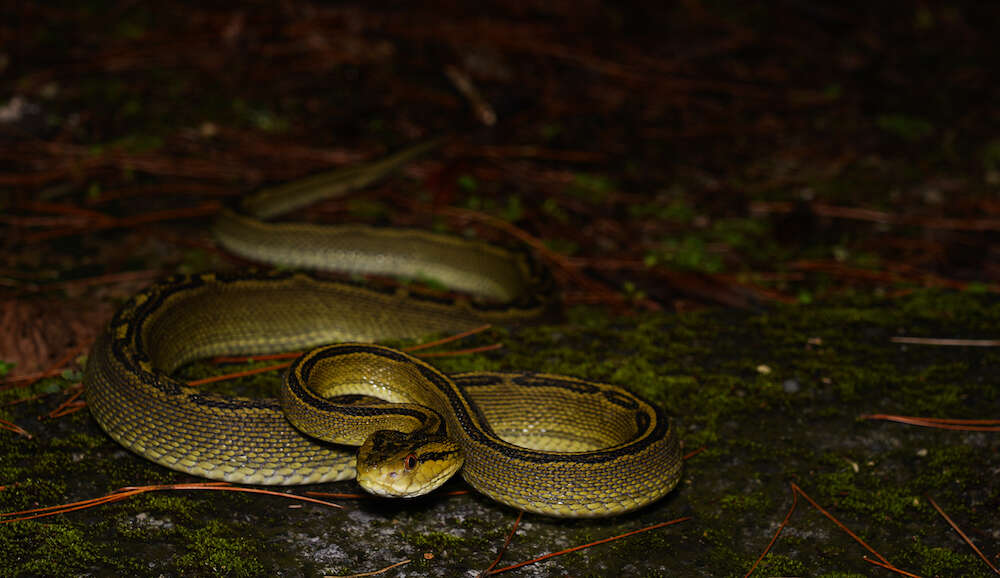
(882, 504)
(947, 465)
(29, 492)
(704, 369)
(722, 555)
(908, 128)
(257, 385)
(50, 385)
(591, 188)
(937, 561)
(511, 209)
(53, 463)
(746, 503)
(435, 542)
(59, 549)
(863, 491)
(259, 116)
(690, 253)
(78, 441)
(178, 507)
(700, 367)
(214, 550)
(35, 549)
(779, 565)
(367, 208)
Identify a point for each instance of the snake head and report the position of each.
(398, 465)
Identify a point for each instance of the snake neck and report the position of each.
(398, 395)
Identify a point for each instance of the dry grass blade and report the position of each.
(110, 278)
(13, 427)
(25, 399)
(276, 367)
(69, 405)
(128, 492)
(795, 502)
(591, 544)
(448, 339)
(968, 541)
(483, 110)
(871, 215)
(506, 543)
(797, 491)
(947, 341)
(34, 513)
(856, 538)
(209, 208)
(53, 370)
(938, 422)
(560, 261)
(227, 376)
(42, 336)
(63, 209)
(373, 572)
(840, 270)
(468, 351)
(890, 567)
(294, 354)
(693, 453)
(250, 358)
(227, 488)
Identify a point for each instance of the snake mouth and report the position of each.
(393, 485)
(395, 464)
(400, 478)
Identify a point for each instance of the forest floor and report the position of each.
(771, 222)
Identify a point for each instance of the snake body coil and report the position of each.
(548, 444)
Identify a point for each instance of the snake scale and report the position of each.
(549, 444)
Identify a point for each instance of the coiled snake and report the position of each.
(548, 444)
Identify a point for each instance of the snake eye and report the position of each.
(410, 461)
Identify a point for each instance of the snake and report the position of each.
(348, 408)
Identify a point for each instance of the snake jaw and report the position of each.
(392, 464)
